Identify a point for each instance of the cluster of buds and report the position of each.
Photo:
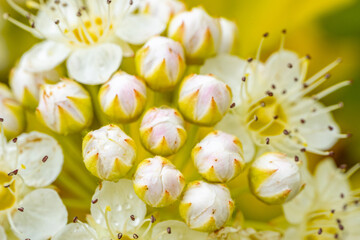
(203, 99)
(219, 157)
(123, 97)
(206, 206)
(65, 107)
(162, 131)
(161, 62)
(11, 113)
(275, 178)
(108, 153)
(157, 182)
(202, 35)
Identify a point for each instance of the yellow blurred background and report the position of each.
(325, 29)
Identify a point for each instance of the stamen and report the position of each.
(18, 9)
(7, 17)
(331, 89)
(323, 71)
(282, 42)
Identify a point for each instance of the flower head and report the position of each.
(93, 35)
(203, 99)
(65, 107)
(108, 153)
(158, 182)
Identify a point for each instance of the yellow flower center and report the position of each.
(267, 117)
(7, 196)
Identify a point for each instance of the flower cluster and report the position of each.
(156, 124)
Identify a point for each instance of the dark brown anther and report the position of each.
(135, 236)
(168, 230)
(284, 91)
(14, 140)
(27, 239)
(45, 158)
(305, 85)
(33, 25)
(57, 22)
(64, 4)
(270, 94)
(341, 227)
(302, 121)
(232, 105)
(120, 235)
(331, 153)
(7, 186)
(256, 118)
(296, 79)
(286, 132)
(21, 209)
(78, 13)
(320, 231)
(356, 202)
(108, 1)
(153, 219)
(331, 128)
(94, 201)
(338, 220)
(131, 2)
(327, 76)
(57, 1)
(1, 120)
(289, 65)
(284, 31)
(296, 159)
(343, 166)
(262, 104)
(303, 150)
(75, 219)
(13, 173)
(276, 117)
(132, 217)
(267, 141)
(273, 86)
(250, 60)
(342, 195)
(266, 34)
(308, 57)
(332, 211)
(336, 236)
(243, 79)
(345, 207)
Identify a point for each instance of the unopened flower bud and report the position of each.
(108, 153)
(161, 9)
(206, 206)
(65, 107)
(11, 113)
(198, 32)
(275, 178)
(157, 182)
(219, 157)
(161, 62)
(123, 97)
(203, 99)
(229, 36)
(26, 85)
(162, 131)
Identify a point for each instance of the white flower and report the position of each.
(93, 36)
(65, 107)
(162, 9)
(327, 208)
(123, 97)
(158, 182)
(12, 114)
(271, 103)
(204, 99)
(108, 152)
(219, 157)
(206, 206)
(274, 178)
(162, 131)
(117, 213)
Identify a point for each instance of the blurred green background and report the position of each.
(324, 29)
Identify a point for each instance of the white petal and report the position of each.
(123, 201)
(94, 65)
(2, 233)
(33, 147)
(44, 56)
(43, 216)
(292, 233)
(231, 123)
(316, 129)
(78, 231)
(179, 231)
(137, 29)
(229, 69)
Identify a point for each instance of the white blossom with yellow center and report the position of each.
(94, 35)
(327, 208)
(271, 106)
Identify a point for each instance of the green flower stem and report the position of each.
(183, 156)
(72, 186)
(76, 204)
(93, 91)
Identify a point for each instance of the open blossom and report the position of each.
(327, 208)
(271, 103)
(93, 36)
(117, 213)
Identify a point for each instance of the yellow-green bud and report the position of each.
(123, 97)
(229, 36)
(203, 99)
(205, 206)
(198, 32)
(65, 107)
(26, 85)
(11, 113)
(161, 62)
(275, 178)
(108, 153)
(162, 131)
(219, 157)
(157, 182)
